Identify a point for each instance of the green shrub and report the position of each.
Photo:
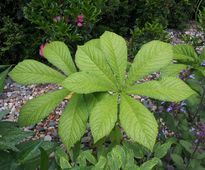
(201, 18)
(11, 36)
(181, 12)
(151, 31)
(68, 21)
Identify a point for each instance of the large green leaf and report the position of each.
(100, 164)
(103, 116)
(72, 123)
(172, 70)
(87, 82)
(11, 135)
(86, 156)
(138, 122)
(167, 89)
(115, 50)
(151, 58)
(148, 165)
(38, 108)
(34, 72)
(178, 161)
(116, 158)
(28, 153)
(184, 53)
(2, 78)
(58, 54)
(94, 42)
(161, 150)
(89, 58)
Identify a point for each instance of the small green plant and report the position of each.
(11, 36)
(16, 151)
(187, 119)
(3, 75)
(186, 58)
(101, 90)
(150, 31)
(194, 40)
(201, 18)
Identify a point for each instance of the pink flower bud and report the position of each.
(41, 49)
(79, 19)
(79, 24)
(56, 18)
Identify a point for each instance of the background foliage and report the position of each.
(36, 22)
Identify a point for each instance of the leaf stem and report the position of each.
(200, 104)
(197, 145)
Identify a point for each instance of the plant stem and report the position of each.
(197, 9)
(197, 145)
(200, 105)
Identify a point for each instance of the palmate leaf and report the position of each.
(103, 116)
(168, 89)
(151, 58)
(85, 82)
(172, 70)
(89, 58)
(72, 123)
(115, 50)
(38, 108)
(184, 53)
(58, 54)
(138, 122)
(34, 72)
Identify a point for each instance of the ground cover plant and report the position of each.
(100, 98)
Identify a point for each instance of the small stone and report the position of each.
(31, 97)
(52, 123)
(47, 138)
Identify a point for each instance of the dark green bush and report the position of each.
(36, 22)
(150, 31)
(58, 20)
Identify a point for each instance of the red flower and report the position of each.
(79, 20)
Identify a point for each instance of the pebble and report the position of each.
(47, 138)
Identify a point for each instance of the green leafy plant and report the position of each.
(201, 18)
(150, 31)
(3, 75)
(186, 58)
(101, 88)
(119, 157)
(16, 151)
(69, 21)
(187, 120)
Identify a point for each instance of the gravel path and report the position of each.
(15, 95)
